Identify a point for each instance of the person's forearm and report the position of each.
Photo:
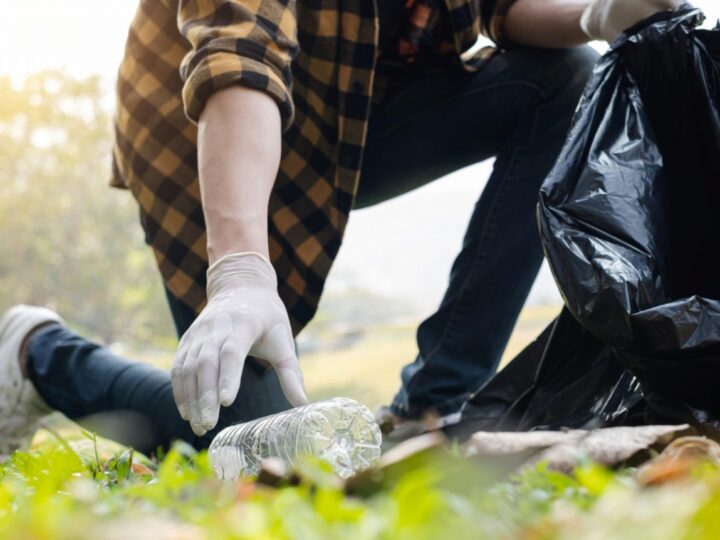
(546, 23)
(239, 144)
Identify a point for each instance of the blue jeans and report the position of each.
(518, 109)
(129, 401)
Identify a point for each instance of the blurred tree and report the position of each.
(68, 241)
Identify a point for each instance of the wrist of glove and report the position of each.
(244, 316)
(607, 19)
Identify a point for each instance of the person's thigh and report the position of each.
(432, 125)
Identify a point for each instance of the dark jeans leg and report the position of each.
(518, 109)
(129, 401)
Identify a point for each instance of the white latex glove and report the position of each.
(244, 316)
(607, 19)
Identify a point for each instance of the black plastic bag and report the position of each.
(630, 222)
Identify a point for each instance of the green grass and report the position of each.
(80, 489)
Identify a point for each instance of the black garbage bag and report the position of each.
(630, 223)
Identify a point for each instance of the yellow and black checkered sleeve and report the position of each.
(493, 14)
(247, 42)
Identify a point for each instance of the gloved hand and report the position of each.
(607, 19)
(244, 315)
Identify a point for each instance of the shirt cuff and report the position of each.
(221, 70)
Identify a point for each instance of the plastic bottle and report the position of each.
(339, 431)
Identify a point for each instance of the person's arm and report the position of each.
(546, 23)
(239, 137)
(237, 80)
(568, 23)
(241, 100)
(239, 142)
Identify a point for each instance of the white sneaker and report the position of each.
(21, 407)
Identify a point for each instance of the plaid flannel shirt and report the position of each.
(317, 59)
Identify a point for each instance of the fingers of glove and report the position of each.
(178, 384)
(623, 14)
(647, 8)
(607, 19)
(291, 381)
(189, 375)
(232, 362)
(207, 385)
(278, 348)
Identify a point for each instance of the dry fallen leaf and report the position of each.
(678, 460)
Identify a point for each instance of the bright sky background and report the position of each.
(400, 248)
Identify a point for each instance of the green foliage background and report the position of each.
(69, 241)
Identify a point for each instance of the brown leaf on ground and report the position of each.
(141, 469)
(678, 460)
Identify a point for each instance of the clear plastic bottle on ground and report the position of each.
(340, 431)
